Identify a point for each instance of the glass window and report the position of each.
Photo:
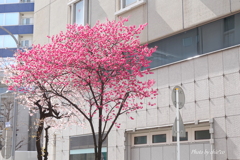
(128, 2)
(174, 139)
(2, 1)
(228, 23)
(160, 138)
(11, 18)
(79, 13)
(6, 41)
(1, 19)
(204, 39)
(82, 147)
(1, 41)
(12, 1)
(140, 140)
(204, 134)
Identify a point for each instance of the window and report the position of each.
(174, 139)
(9, 1)
(9, 19)
(82, 147)
(79, 11)
(160, 138)
(27, 21)
(140, 140)
(6, 41)
(203, 134)
(228, 23)
(197, 41)
(126, 5)
(26, 1)
(128, 2)
(25, 43)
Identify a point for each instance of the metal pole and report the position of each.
(14, 127)
(178, 135)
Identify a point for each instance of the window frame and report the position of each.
(72, 4)
(191, 136)
(123, 9)
(167, 132)
(200, 129)
(4, 19)
(139, 135)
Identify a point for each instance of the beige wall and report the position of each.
(164, 18)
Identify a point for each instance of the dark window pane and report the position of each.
(140, 140)
(160, 138)
(174, 139)
(202, 135)
(228, 23)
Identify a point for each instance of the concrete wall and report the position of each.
(164, 18)
(23, 155)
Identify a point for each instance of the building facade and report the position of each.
(198, 49)
(16, 19)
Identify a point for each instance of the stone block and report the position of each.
(233, 126)
(131, 123)
(219, 127)
(217, 108)
(232, 105)
(216, 87)
(187, 68)
(112, 152)
(141, 118)
(215, 64)
(65, 143)
(163, 115)
(188, 89)
(235, 5)
(202, 110)
(154, 77)
(185, 151)
(220, 145)
(145, 153)
(58, 20)
(135, 153)
(230, 60)
(120, 137)
(188, 112)
(112, 139)
(198, 11)
(162, 18)
(169, 152)
(195, 149)
(156, 152)
(231, 84)
(163, 97)
(174, 74)
(163, 77)
(201, 68)
(152, 117)
(202, 90)
(233, 148)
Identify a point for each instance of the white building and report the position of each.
(198, 49)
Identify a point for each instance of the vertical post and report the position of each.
(178, 132)
(15, 110)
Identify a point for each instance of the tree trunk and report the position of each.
(46, 143)
(38, 140)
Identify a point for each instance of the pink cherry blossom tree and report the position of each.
(96, 70)
(47, 106)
